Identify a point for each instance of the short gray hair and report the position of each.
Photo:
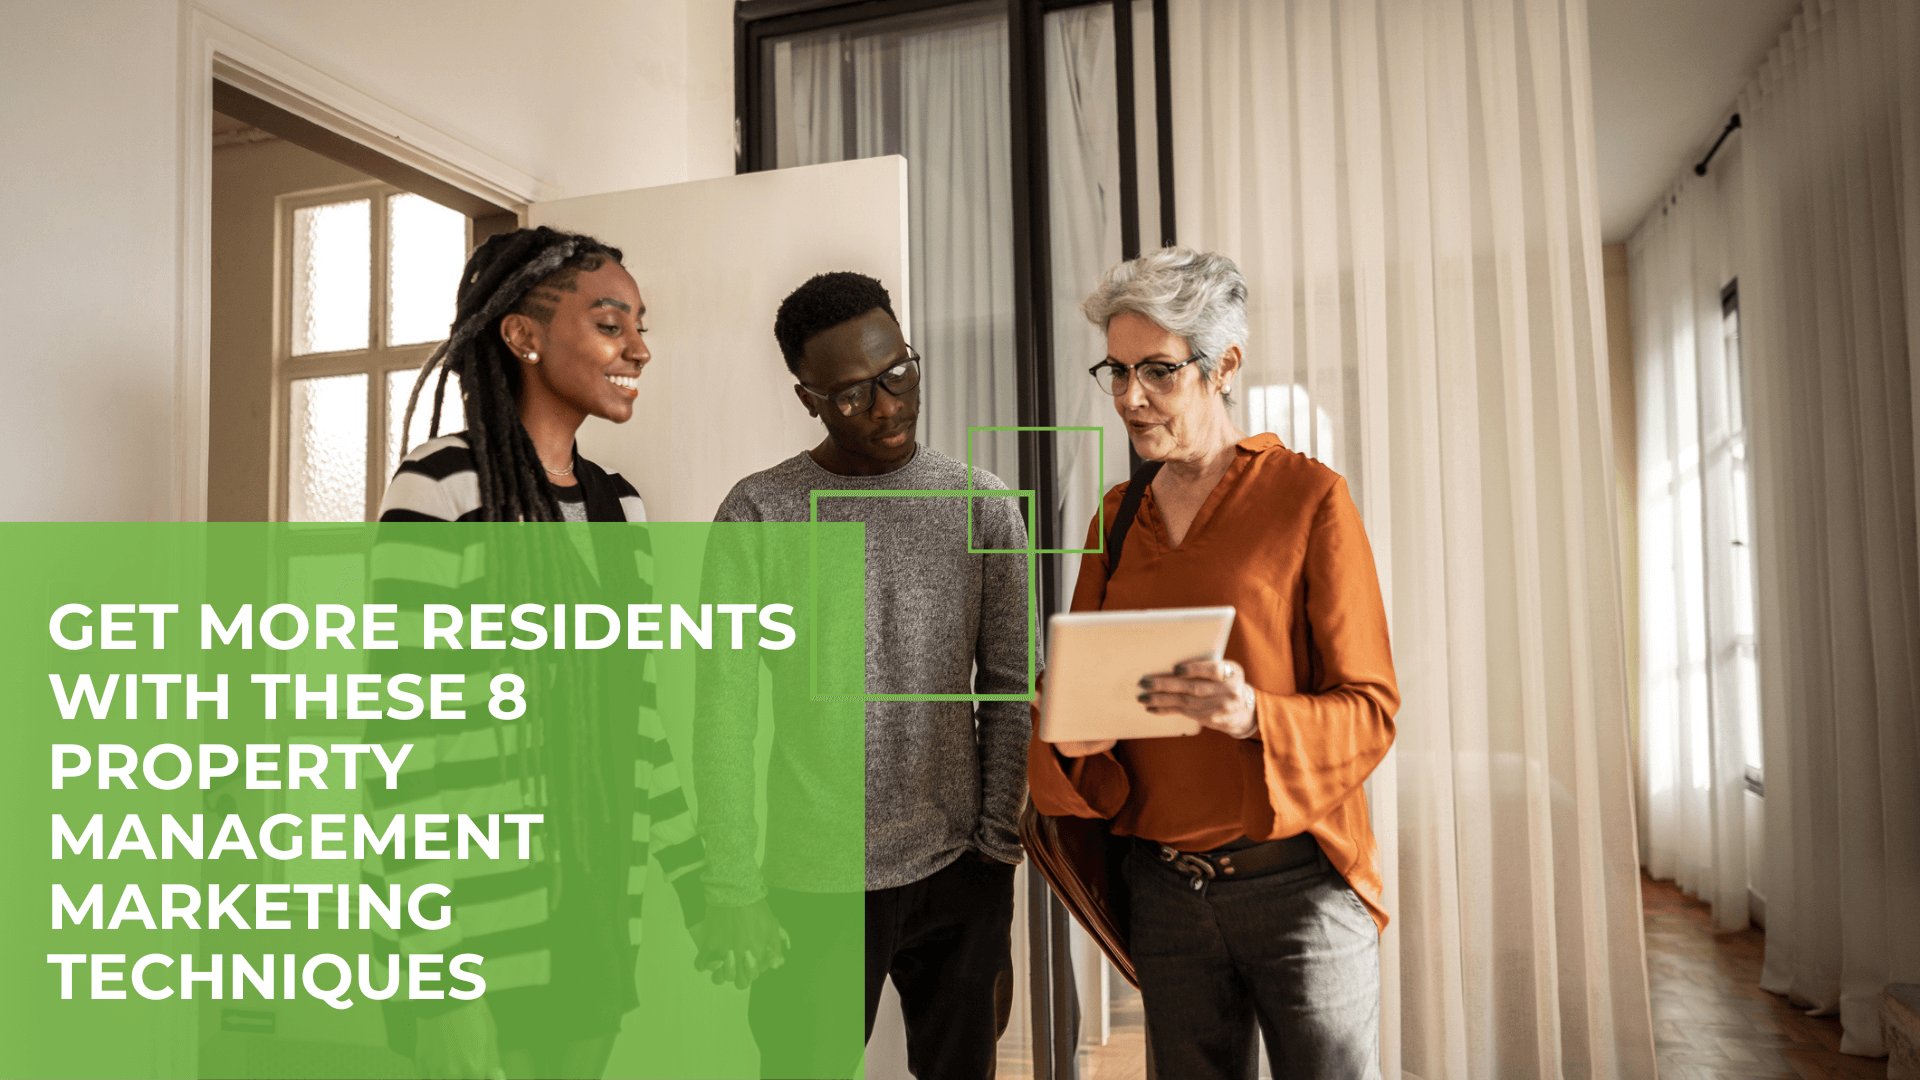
(1198, 295)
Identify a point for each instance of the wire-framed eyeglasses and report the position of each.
(1157, 376)
(897, 380)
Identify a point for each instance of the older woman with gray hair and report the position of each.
(1255, 893)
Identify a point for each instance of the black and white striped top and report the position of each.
(437, 482)
(502, 906)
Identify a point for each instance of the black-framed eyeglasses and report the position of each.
(1156, 375)
(897, 380)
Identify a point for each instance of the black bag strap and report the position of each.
(1129, 506)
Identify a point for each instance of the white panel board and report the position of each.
(713, 260)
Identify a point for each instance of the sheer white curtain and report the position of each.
(1274, 193)
(1699, 689)
(1408, 185)
(960, 195)
(807, 110)
(933, 88)
(1828, 302)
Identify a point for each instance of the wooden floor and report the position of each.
(1124, 1055)
(1712, 1021)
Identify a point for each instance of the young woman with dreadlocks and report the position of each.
(548, 330)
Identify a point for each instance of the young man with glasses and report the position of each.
(944, 779)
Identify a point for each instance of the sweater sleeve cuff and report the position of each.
(735, 893)
(995, 840)
(693, 898)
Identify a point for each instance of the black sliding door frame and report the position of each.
(756, 21)
(1050, 981)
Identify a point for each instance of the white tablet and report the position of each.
(1095, 660)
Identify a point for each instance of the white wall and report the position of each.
(88, 173)
(588, 95)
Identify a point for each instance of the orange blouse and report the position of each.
(1280, 540)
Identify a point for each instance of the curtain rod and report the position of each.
(1733, 125)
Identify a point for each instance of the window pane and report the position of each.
(327, 449)
(332, 276)
(453, 417)
(426, 248)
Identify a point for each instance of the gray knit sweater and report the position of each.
(943, 777)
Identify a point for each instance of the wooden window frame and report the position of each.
(378, 360)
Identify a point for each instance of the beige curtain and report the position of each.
(1700, 719)
(1409, 186)
(1828, 301)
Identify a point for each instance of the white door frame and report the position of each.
(213, 48)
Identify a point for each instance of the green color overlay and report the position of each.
(228, 835)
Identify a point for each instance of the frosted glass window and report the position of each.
(332, 276)
(453, 417)
(327, 449)
(426, 250)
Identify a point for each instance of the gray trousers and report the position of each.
(1295, 953)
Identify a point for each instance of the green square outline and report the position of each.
(813, 597)
(1100, 495)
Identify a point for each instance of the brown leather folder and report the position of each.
(1080, 858)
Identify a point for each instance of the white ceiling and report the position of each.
(1665, 73)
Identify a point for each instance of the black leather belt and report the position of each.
(1234, 862)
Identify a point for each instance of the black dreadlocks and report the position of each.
(523, 272)
(559, 748)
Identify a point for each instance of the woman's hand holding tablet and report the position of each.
(1117, 675)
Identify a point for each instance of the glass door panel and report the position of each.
(1084, 219)
(932, 87)
(936, 86)
(1085, 226)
